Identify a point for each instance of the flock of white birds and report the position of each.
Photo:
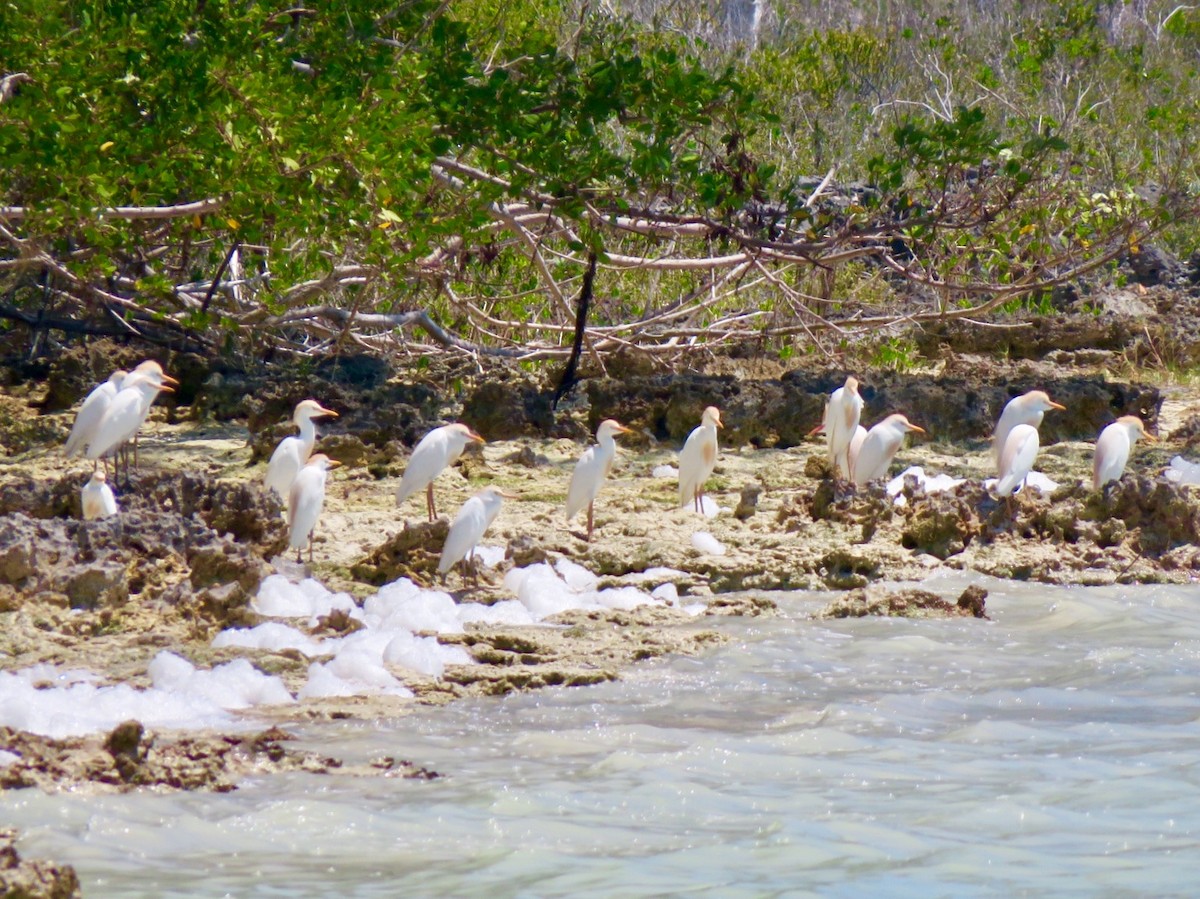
(112, 414)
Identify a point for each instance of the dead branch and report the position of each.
(8, 84)
(418, 318)
(134, 213)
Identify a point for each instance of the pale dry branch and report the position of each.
(8, 84)
(133, 213)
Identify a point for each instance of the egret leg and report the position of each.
(136, 461)
(696, 504)
(430, 505)
(589, 532)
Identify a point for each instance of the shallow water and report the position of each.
(1052, 751)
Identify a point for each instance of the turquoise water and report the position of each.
(1054, 750)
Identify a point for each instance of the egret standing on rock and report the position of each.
(879, 446)
(128, 409)
(292, 453)
(153, 370)
(698, 458)
(90, 414)
(856, 442)
(306, 498)
(1113, 449)
(591, 470)
(841, 422)
(97, 498)
(1026, 409)
(1016, 459)
(437, 449)
(468, 528)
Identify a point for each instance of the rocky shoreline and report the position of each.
(197, 534)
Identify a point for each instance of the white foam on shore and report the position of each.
(1034, 479)
(399, 627)
(938, 483)
(1183, 471)
(546, 590)
(707, 543)
(279, 597)
(54, 703)
(271, 635)
(489, 556)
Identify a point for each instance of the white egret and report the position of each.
(153, 370)
(842, 413)
(591, 470)
(879, 446)
(437, 449)
(292, 453)
(468, 528)
(1113, 449)
(1016, 459)
(306, 498)
(698, 458)
(1026, 409)
(856, 442)
(97, 498)
(129, 408)
(88, 418)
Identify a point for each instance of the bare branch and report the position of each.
(417, 318)
(8, 84)
(134, 213)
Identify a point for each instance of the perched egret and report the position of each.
(841, 422)
(1113, 448)
(437, 449)
(153, 370)
(128, 408)
(97, 498)
(292, 453)
(1016, 459)
(879, 446)
(591, 470)
(698, 458)
(1026, 409)
(468, 527)
(306, 498)
(88, 418)
(856, 442)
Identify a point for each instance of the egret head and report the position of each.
(1039, 400)
(321, 460)
(901, 423)
(610, 427)
(309, 409)
(465, 433)
(151, 369)
(1136, 428)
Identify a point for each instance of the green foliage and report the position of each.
(999, 144)
(897, 354)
